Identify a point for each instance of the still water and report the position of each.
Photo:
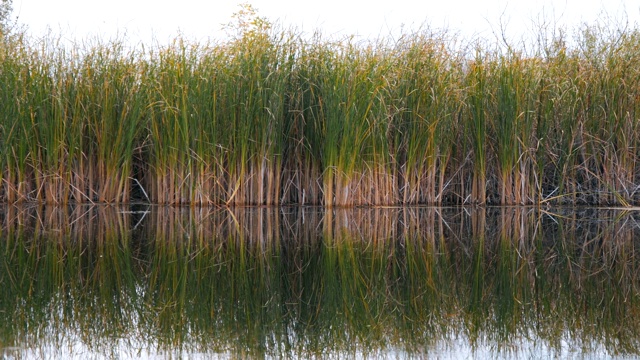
(157, 282)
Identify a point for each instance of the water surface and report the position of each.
(159, 282)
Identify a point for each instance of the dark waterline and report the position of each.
(304, 282)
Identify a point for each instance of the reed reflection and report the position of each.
(307, 282)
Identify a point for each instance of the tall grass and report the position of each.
(273, 117)
(426, 102)
(70, 122)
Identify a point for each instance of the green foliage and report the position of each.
(247, 23)
(269, 117)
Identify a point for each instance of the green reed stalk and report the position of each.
(14, 152)
(478, 103)
(612, 81)
(49, 123)
(352, 124)
(513, 123)
(427, 104)
(259, 79)
(119, 126)
(169, 157)
(108, 108)
(313, 139)
(218, 115)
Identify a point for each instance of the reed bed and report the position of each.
(307, 282)
(273, 117)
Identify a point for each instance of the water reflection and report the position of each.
(304, 282)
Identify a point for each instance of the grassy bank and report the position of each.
(272, 117)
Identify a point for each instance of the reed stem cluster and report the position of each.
(271, 117)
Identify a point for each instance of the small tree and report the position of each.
(247, 23)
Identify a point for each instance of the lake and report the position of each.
(309, 282)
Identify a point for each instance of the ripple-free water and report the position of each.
(161, 282)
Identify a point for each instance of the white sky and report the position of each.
(160, 20)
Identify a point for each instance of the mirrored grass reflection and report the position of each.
(308, 282)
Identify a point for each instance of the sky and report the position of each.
(159, 21)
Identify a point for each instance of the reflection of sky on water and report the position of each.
(71, 346)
